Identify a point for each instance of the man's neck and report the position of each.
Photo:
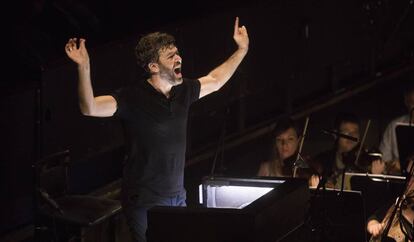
(160, 85)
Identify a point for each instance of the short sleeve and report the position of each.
(193, 90)
(120, 95)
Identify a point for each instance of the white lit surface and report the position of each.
(233, 196)
(200, 194)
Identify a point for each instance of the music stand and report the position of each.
(337, 216)
(405, 142)
(229, 214)
(377, 189)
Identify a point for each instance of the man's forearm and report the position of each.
(85, 91)
(223, 72)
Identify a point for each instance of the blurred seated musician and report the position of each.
(286, 138)
(388, 145)
(343, 155)
(400, 222)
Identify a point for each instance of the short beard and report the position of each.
(169, 75)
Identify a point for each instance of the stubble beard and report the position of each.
(169, 76)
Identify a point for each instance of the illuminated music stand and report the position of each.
(230, 212)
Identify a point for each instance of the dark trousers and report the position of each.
(136, 214)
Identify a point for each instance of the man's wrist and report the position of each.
(243, 50)
(84, 66)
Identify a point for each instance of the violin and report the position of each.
(303, 164)
(360, 159)
(400, 228)
(363, 163)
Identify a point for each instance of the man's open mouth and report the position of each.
(177, 70)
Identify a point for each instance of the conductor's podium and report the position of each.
(235, 209)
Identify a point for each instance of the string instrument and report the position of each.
(402, 212)
(302, 170)
(400, 228)
(303, 165)
(364, 162)
(359, 159)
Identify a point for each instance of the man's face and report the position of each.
(351, 129)
(287, 143)
(169, 64)
(409, 100)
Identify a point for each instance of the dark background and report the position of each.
(302, 54)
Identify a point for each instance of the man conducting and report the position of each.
(154, 112)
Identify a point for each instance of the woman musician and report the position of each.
(286, 138)
(347, 153)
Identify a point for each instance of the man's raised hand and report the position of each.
(240, 36)
(78, 54)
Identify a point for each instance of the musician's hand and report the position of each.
(314, 181)
(394, 167)
(378, 167)
(375, 228)
(410, 164)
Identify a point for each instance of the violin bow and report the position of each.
(362, 141)
(301, 145)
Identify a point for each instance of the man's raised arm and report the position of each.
(221, 74)
(101, 106)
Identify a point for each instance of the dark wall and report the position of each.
(16, 157)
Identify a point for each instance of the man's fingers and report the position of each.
(236, 26)
(72, 44)
(69, 46)
(82, 43)
(242, 29)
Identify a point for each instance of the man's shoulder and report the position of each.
(190, 81)
(130, 88)
(192, 88)
(128, 94)
(401, 119)
(398, 120)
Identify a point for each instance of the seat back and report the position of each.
(52, 174)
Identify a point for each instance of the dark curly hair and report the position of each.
(148, 47)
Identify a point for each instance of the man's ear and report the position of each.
(153, 67)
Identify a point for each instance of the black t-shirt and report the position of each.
(155, 130)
